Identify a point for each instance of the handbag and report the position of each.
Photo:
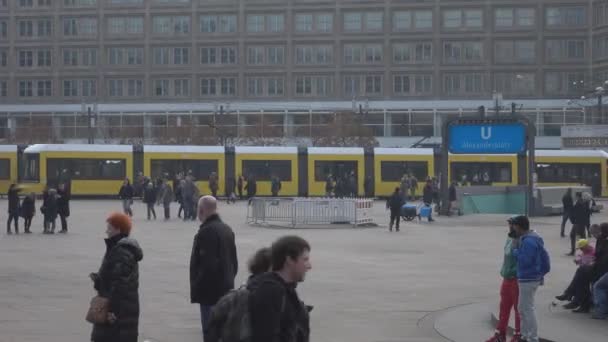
(98, 310)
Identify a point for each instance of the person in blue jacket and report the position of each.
(532, 265)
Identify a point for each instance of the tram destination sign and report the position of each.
(487, 138)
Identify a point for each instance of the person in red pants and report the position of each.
(509, 292)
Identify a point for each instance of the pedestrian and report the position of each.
(251, 187)
(165, 197)
(275, 186)
(150, 199)
(239, 185)
(213, 262)
(329, 186)
(394, 204)
(230, 190)
(509, 292)
(138, 184)
(567, 205)
(586, 257)
(188, 190)
(118, 281)
(599, 276)
(277, 313)
(452, 199)
(578, 216)
(427, 197)
(532, 265)
(368, 186)
(213, 184)
(195, 197)
(178, 196)
(352, 184)
(63, 207)
(28, 210)
(50, 210)
(260, 263)
(13, 208)
(126, 194)
(413, 187)
(405, 187)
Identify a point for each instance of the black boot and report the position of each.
(563, 297)
(571, 305)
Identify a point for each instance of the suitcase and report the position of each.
(425, 211)
(408, 212)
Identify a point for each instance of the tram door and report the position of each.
(346, 177)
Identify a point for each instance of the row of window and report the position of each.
(82, 3)
(370, 21)
(454, 52)
(417, 84)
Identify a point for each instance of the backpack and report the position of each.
(545, 261)
(230, 318)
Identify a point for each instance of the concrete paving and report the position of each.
(367, 285)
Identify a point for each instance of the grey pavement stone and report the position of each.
(367, 285)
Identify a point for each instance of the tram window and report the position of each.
(263, 170)
(334, 168)
(393, 171)
(102, 169)
(31, 167)
(568, 173)
(480, 173)
(5, 169)
(201, 169)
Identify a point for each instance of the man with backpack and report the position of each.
(277, 314)
(213, 263)
(532, 265)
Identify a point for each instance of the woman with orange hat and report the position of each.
(118, 281)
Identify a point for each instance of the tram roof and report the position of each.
(266, 149)
(280, 106)
(8, 148)
(401, 151)
(37, 148)
(570, 153)
(183, 149)
(336, 150)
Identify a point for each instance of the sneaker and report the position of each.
(564, 297)
(497, 338)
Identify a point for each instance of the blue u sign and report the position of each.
(487, 138)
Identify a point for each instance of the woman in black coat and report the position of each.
(63, 207)
(50, 210)
(13, 208)
(118, 281)
(28, 210)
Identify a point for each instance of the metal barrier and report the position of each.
(310, 211)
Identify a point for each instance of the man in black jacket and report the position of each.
(568, 204)
(277, 314)
(579, 216)
(394, 203)
(63, 207)
(213, 263)
(13, 208)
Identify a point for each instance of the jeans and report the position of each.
(509, 294)
(15, 219)
(600, 296)
(527, 311)
(151, 210)
(167, 212)
(205, 316)
(187, 208)
(64, 223)
(126, 206)
(577, 231)
(395, 218)
(28, 223)
(565, 217)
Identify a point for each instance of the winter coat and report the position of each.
(28, 207)
(277, 314)
(509, 264)
(213, 184)
(63, 203)
(528, 255)
(427, 195)
(395, 202)
(275, 185)
(251, 187)
(118, 280)
(452, 190)
(600, 267)
(580, 213)
(13, 201)
(50, 208)
(567, 203)
(126, 192)
(188, 190)
(150, 195)
(213, 262)
(165, 195)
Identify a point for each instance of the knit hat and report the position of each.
(582, 243)
(121, 222)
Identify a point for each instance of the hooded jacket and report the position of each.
(528, 255)
(118, 280)
(277, 314)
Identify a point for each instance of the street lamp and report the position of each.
(91, 114)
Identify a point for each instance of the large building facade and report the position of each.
(396, 56)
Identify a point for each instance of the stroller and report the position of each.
(410, 211)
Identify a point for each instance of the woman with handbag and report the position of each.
(115, 311)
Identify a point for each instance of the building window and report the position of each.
(33, 3)
(3, 58)
(228, 55)
(225, 23)
(161, 55)
(462, 19)
(255, 55)
(565, 83)
(208, 55)
(79, 27)
(324, 22)
(515, 84)
(353, 22)
(181, 87)
(44, 88)
(276, 86)
(276, 23)
(363, 54)
(126, 2)
(70, 88)
(413, 20)
(560, 50)
(412, 85)
(374, 21)
(26, 88)
(515, 51)
(463, 84)
(89, 88)
(171, 25)
(462, 52)
(115, 88)
(125, 25)
(363, 22)
(228, 86)
(43, 58)
(304, 23)
(3, 89)
(571, 16)
(208, 87)
(135, 88)
(181, 56)
(255, 86)
(3, 29)
(314, 54)
(125, 56)
(373, 85)
(514, 18)
(255, 23)
(276, 55)
(39, 28)
(419, 52)
(70, 57)
(362, 85)
(313, 86)
(79, 3)
(161, 87)
(26, 58)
